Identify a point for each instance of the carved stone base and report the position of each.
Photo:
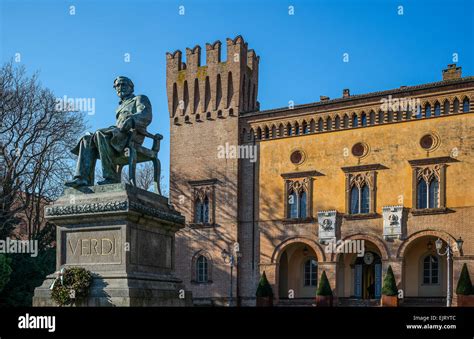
(125, 237)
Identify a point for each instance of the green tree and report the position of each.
(389, 287)
(264, 288)
(5, 271)
(464, 283)
(324, 288)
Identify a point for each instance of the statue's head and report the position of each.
(124, 86)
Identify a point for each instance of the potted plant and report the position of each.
(389, 290)
(264, 292)
(324, 293)
(464, 289)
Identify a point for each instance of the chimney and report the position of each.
(346, 93)
(323, 98)
(452, 72)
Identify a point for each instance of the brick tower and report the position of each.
(213, 193)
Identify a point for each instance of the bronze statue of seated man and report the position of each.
(107, 144)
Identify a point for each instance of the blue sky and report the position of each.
(301, 55)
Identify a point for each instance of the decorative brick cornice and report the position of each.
(432, 161)
(111, 206)
(293, 175)
(363, 168)
(100, 207)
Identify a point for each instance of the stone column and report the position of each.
(123, 235)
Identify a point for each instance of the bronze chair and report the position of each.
(135, 154)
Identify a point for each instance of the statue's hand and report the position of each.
(127, 125)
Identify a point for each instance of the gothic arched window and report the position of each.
(446, 107)
(437, 110)
(363, 119)
(355, 120)
(359, 200)
(427, 111)
(428, 193)
(310, 272)
(465, 105)
(456, 106)
(292, 205)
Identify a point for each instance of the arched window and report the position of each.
(427, 111)
(302, 205)
(329, 124)
(292, 205)
(198, 209)
(281, 131)
(465, 105)
(428, 193)
(400, 114)
(430, 270)
(202, 272)
(359, 200)
(422, 194)
(456, 106)
(363, 119)
(289, 132)
(310, 272)
(446, 107)
(409, 111)
(437, 111)
(355, 120)
(337, 121)
(381, 117)
(259, 133)
(267, 133)
(418, 111)
(305, 127)
(346, 121)
(205, 210)
(274, 132)
(320, 125)
(297, 128)
(390, 115)
(312, 126)
(372, 118)
(201, 210)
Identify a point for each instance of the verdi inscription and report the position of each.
(93, 247)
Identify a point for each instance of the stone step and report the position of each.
(423, 302)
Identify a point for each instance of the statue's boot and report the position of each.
(76, 182)
(108, 181)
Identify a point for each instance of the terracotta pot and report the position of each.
(264, 301)
(389, 301)
(324, 300)
(465, 300)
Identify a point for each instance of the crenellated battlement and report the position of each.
(217, 89)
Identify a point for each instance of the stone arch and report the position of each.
(384, 253)
(311, 243)
(440, 234)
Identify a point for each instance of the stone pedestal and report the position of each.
(123, 235)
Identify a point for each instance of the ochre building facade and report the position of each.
(349, 186)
